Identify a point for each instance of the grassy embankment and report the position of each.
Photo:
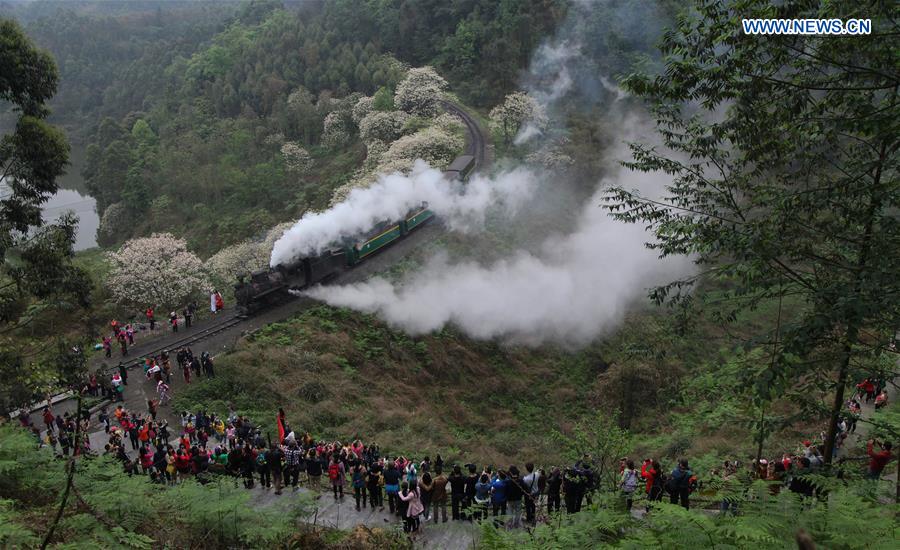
(341, 375)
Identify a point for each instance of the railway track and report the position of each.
(476, 146)
(170, 344)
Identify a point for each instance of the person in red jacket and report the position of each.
(867, 387)
(150, 318)
(877, 461)
(650, 471)
(183, 462)
(146, 458)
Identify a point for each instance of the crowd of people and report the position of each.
(124, 335)
(415, 491)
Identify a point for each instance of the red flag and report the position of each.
(281, 434)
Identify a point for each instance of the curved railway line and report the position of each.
(475, 146)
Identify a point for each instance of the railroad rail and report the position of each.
(476, 146)
(168, 344)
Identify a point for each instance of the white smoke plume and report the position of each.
(569, 290)
(461, 207)
(550, 68)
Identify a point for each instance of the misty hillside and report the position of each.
(631, 267)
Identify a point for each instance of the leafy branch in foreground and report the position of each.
(786, 184)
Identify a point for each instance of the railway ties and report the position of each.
(186, 340)
(476, 145)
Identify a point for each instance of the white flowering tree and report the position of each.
(156, 270)
(114, 219)
(517, 109)
(375, 149)
(335, 129)
(385, 126)
(551, 157)
(419, 92)
(296, 158)
(245, 257)
(432, 145)
(362, 108)
(450, 123)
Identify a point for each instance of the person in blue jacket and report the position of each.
(680, 484)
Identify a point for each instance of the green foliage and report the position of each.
(37, 278)
(112, 509)
(384, 100)
(754, 220)
(847, 520)
(598, 441)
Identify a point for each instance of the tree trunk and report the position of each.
(852, 333)
(762, 423)
(838, 403)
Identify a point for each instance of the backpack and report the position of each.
(261, 459)
(631, 481)
(334, 471)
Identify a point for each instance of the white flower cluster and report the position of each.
(518, 109)
(244, 257)
(383, 126)
(156, 270)
(419, 92)
(296, 158)
(335, 130)
(362, 108)
(374, 149)
(431, 144)
(551, 157)
(449, 123)
(114, 219)
(274, 139)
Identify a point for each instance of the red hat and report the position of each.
(806, 443)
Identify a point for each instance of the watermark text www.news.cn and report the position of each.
(807, 26)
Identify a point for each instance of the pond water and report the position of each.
(72, 196)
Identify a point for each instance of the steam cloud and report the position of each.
(461, 207)
(570, 290)
(550, 66)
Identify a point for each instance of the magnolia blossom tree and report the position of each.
(156, 270)
(335, 129)
(296, 158)
(517, 110)
(432, 145)
(450, 123)
(375, 149)
(419, 92)
(362, 108)
(114, 219)
(381, 125)
(245, 257)
(552, 157)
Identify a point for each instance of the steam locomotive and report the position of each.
(268, 287)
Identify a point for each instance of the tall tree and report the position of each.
(783, 153)
(36, 275)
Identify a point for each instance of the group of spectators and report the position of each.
(415, 490)
(123, 335)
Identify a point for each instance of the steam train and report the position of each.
(268, 287)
